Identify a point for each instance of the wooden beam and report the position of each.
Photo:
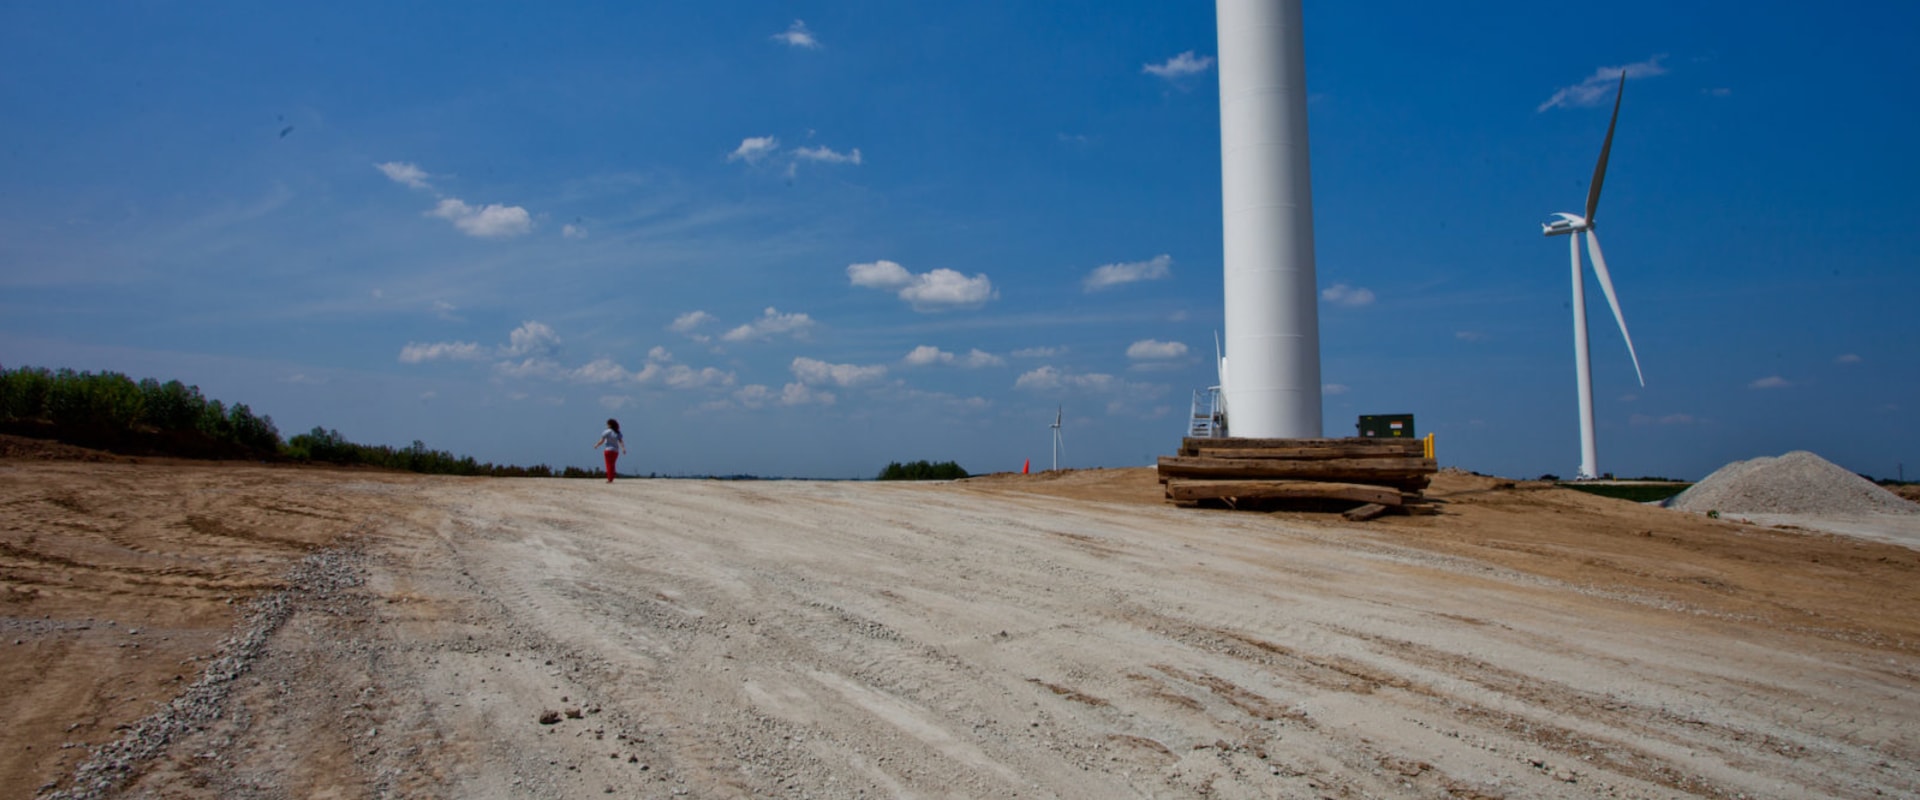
(1406, 447)
(1364, 513)
(1356, 470)
(1320, 452)
(1189, 490)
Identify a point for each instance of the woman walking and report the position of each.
(613, 444)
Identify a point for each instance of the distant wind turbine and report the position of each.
(1569, 224)
(1058, 443)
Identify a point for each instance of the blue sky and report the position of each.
(807, 239)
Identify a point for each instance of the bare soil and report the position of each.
(1056, 635)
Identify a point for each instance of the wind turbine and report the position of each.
(1573, 226)
(1058, 443)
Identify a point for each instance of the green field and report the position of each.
(1635, 492)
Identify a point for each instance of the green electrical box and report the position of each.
(1386, 426)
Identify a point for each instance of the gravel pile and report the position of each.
(1796, 483)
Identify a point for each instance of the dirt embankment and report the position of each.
(1062, 635)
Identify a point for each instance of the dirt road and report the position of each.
(1045, 637)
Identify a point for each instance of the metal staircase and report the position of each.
(1208, 419)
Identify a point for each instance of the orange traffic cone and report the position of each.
(1024, 465)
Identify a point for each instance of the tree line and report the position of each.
(922, 471)
(110, 411)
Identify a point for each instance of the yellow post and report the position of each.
(1429, 445)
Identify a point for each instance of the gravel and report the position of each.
(316, 577)
(1799, 482)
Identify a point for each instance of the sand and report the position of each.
(1048, 636)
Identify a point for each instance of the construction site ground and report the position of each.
(191, 630)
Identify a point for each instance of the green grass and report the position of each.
(1635, 493)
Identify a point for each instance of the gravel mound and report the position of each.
(1796, 483)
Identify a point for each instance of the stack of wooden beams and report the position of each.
(1382, 475)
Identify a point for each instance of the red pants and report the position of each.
(612, 456)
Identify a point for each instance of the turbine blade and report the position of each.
(1600, 169)
(1606, 285)
(1220, 362)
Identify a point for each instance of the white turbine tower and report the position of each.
(1058, 443)
(1574, 226)
(1266, 192)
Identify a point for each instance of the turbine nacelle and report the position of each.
(1567, 223)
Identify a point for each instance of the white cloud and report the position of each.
(1599, 87)
(927, 354)
(793, 394)
(826, 155)
(754, 148)
(1334, 389)
(881, 274)
(680, 376)
(1179, 66)
(799, 394)
(1849, 358)
(1125, 398)
(938, 290)
(491, 221)
(770, 324)
(753, 395)
(406, 173)
(976, 358)
(797, 35)
(1718, 91)
(1110, 275)
(686, 323)
(1341, 294)
(417, 352)
(1052, 379)
(602, 370)
(815, 372)
(1770, 382)
(944, 288)
(614, 402)
(572, 231)
(530, 354)
(1039, 352)
(1470, 336)
(1155, 349)
(536, 367)
(531, 338)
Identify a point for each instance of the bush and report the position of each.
(922, 471)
